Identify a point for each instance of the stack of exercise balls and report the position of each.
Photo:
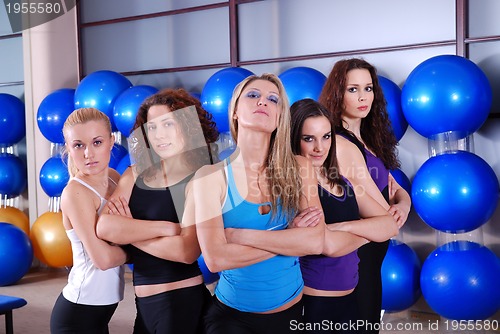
(50, 244)
(446, 99)
(401, 266)
(16, 252)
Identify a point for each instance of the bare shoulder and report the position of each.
(74, 192)
(210, 171)
(344, 144)
(303, 161)
(306, 169)
(114, 175)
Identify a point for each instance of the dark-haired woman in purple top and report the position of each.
(330, 278)
(355, 98)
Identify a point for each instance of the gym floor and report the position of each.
(41, 287)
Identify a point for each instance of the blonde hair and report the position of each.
(281, 167)
(82, 116)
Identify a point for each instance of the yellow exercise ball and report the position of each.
(15, 217)
(50, 242)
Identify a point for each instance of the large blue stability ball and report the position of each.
(127, 105)
(302, 82)
(100, 90)
(54, 176)
(455, 192)
(400, 277)
(12, 120)
(217, 93)
(13, 175)
(459, 281)
(53, 112)
(446, 93)
(392, 95)
(16, 254)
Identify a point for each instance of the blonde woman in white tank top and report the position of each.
(95, 283)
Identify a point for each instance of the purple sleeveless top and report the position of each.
(378, 172)
(333, 273)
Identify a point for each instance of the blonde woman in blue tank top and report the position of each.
(256, 213)
(95, 283)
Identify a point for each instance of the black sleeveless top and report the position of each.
(148, 203)
(339, 208)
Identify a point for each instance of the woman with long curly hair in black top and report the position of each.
(353, 95)
(149, 214)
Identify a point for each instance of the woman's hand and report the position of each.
(399, 213)
(308, 217)
(119, 206)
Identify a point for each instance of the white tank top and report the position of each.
(87, 284)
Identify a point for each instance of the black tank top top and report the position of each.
(148, 203)
(339, 208)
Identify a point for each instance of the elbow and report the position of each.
(317, 246)
(103, 229)
(390, 231)
(107, 260)
(189, 257)
(104, 264)
(214, 264)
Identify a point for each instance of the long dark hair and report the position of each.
(302, 110)
(376, 129)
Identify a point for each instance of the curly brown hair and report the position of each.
(176, 99)
(376, 129)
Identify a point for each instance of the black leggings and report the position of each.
(176, 311)
(331, 314)
(369, 288)
(68, 317)
(222, 319)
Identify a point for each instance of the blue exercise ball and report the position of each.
(459, 281)
(392, 95)
(53, 112)
(402, 179)
(400, 277)
(127, 105)
(99, 90)
(16, 254)
(217, 93)
(117, 153)
(208, 276)
(455, 192)
(123, 164)
(12, 120)
(13, 175)
(302, 82)
(446, 93)
(54, 176)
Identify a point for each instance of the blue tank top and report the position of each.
(148, 203)
(263, 286)
(334, 273)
